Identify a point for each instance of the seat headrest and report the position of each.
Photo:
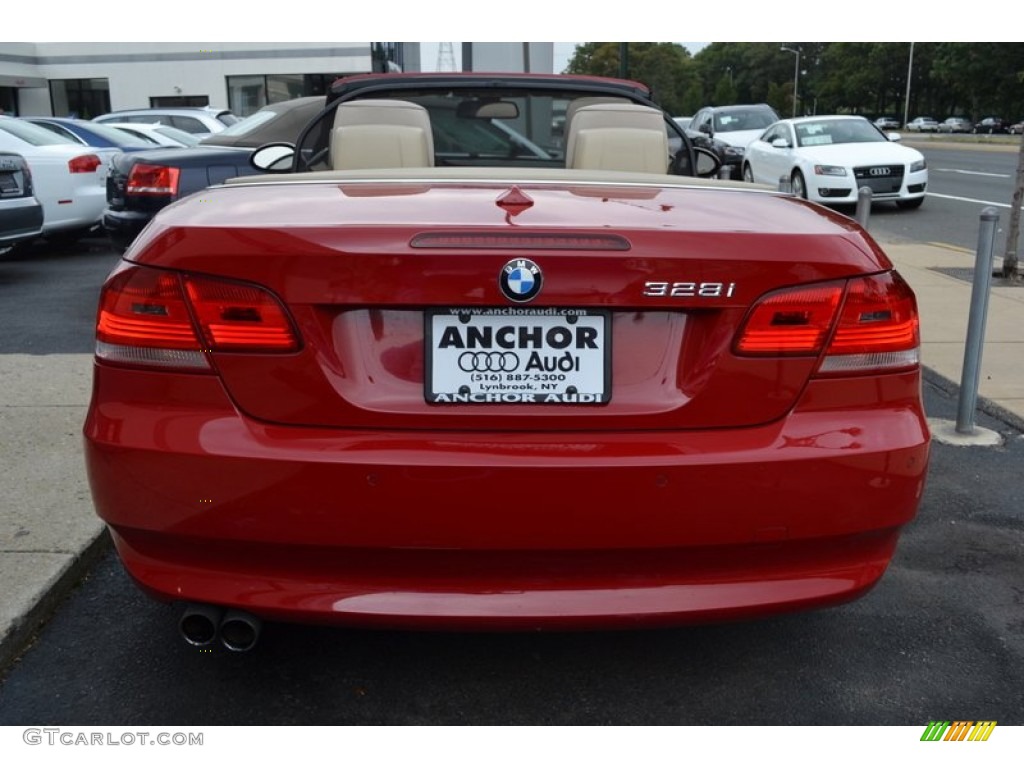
(381, 133)
(619, 137)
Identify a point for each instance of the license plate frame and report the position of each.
(517, 355)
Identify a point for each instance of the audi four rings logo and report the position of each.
(481, 362)
(881, 171)
(520, 280)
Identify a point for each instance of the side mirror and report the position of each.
(707, 163)
(780, 144)
(894, 137)
(273, 158)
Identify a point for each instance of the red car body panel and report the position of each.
(318, 482)
(349, 527)
(326, 509)
(364, 368)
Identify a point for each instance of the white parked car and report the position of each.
(162, 135)
(201, 121)
(69, 180)
(827, 159)
(923, 125)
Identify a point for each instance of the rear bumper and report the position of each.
(20, 220)
(479, 530)
(453, 590)
(123, 226)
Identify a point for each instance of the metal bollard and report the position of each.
(785, 185)
(863, 206)
(971, 376)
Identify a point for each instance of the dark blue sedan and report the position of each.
(93, 134)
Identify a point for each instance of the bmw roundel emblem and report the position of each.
(520, 280)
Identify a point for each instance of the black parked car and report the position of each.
(991, 125)
(727, 131)
(141, 183)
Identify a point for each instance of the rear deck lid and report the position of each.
(479, 305)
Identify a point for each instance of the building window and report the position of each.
(247, 93)
(179, 101)
(8, 101)
(284, 87)
(84, 98)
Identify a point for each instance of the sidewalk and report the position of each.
(944, 302)
(50, 535)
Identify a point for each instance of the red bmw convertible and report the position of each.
(489, 355)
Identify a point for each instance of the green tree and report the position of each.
(978, 79)
(974, 79)
(666, 68)
(725, 91)
(779, 97)
(693, 99)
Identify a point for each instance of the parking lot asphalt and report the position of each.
(50, 536)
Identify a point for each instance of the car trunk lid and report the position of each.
(396, 290)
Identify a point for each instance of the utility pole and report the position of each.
(1010, 266)
(796, 76)
(910, 71)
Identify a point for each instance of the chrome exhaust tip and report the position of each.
(198, 624)
(239, 631)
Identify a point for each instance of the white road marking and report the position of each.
(970, 200)
(973, 173)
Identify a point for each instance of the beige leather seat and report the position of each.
(381, 133)
(618, 137)
(576, 105)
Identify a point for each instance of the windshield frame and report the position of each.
(312, 144)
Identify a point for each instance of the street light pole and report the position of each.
(796, 76)
(910, 71)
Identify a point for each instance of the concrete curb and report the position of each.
(21, 634)
(985, 405)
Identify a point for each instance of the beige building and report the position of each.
(87, 79)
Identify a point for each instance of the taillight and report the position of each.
(234, 316)
(146, 179)
(793, 321)
(879, 328)
(26, 175)
(152, 317)
(869, 324)
(84, 164)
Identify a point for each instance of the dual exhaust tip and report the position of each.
(200, 625)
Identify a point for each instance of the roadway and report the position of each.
(961, 183)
